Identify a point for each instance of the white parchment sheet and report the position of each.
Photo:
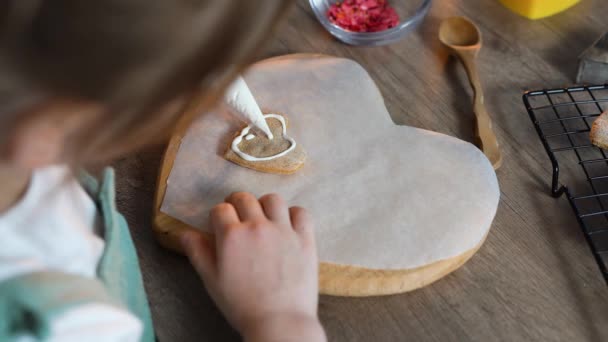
(383, 196)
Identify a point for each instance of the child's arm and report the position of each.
(262, 271)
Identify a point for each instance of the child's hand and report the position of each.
(262, 271)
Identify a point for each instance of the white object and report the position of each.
(382, 196)
(95, 323)
(239, 97)
(245, 133)
(51, 229)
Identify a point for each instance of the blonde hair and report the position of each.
(132, 56)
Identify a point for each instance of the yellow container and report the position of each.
(536, 9)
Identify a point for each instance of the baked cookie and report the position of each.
(281, 155)
(599, 131)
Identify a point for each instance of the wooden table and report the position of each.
(534, 279)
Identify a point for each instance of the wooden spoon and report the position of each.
(463, 39)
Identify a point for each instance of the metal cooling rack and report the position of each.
(563, 119)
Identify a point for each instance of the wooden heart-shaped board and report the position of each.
(396, 207)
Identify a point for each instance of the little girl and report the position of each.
(82, 82)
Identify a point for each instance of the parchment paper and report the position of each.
(383, 196)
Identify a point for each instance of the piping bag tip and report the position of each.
(262, 126)
(239, 97)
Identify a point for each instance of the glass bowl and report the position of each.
(411, 13)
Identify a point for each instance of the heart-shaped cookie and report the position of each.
(281, 155)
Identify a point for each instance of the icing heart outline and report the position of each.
(245, 131)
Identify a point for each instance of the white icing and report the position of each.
(245, 133)
(239, 97)
(249, 136)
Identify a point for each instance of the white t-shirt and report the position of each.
(52, 229)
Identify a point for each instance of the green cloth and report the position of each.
(29, 302)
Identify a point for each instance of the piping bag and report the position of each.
(241, 100)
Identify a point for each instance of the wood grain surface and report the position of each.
(533, 279)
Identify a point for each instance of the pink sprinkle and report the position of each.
(363, 15)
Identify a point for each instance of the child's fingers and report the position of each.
(275, 208)
(201, 253)
(302, 224)
(247, 206)
(222, 215)
(221, 218)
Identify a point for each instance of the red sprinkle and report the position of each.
(363, 15)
